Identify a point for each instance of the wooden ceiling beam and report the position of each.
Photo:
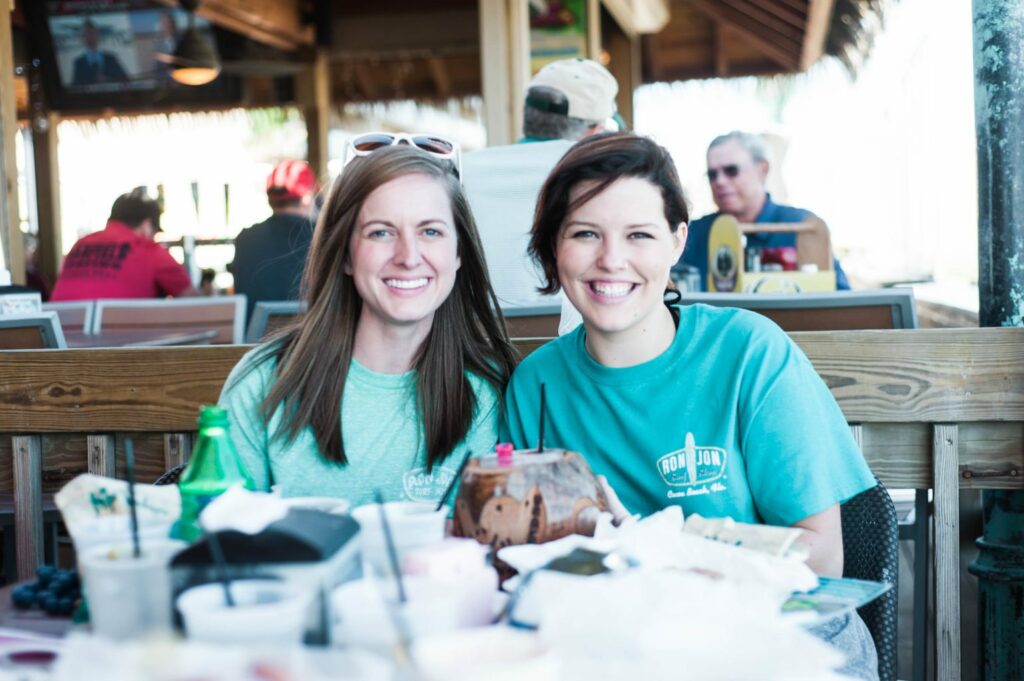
(819, 17)
(366, 83)
(278, 23)
(770, 23)
(718, 46)
(742, 24)
(783, 12)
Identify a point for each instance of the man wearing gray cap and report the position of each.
(568, 100)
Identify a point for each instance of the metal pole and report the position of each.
(999, 102)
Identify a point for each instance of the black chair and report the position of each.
(870, 551)
(170, 477)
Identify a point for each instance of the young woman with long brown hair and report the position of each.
(396, 368)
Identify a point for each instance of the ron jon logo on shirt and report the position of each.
(692, 465)
(420, 485)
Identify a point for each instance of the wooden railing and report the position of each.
(940, 409)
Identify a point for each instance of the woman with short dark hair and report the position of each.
(712, 409)
(396, 369)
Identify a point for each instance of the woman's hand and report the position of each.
(615, 506)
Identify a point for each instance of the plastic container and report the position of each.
(129, 597)
(413, 524)
(265, 611)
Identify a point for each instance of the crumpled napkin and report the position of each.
(242, 510)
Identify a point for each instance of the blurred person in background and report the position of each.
(122, 260)
(270, 255)
(737, 172)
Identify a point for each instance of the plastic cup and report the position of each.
(115, 529)
(413, 525)
(129, 597)
(265, 611)
(487, 654)
(364, 611)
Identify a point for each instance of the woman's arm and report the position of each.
(823, 536)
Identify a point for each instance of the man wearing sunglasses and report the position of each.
(737, 172)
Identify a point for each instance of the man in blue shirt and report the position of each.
(737, 170)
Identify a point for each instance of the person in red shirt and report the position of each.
(123, 260)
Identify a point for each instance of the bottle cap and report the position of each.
(213, 415)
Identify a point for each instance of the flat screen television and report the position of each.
(98, 54)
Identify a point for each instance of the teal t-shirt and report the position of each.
(382, 432)
(731, 420)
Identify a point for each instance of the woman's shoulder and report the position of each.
(253, 370)
(554, 353)
(727, 323)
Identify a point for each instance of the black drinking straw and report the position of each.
(455, 480)
(221, 563)
(390, 543)
(540, 429)
(129, 460)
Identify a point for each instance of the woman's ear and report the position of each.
(679, 241)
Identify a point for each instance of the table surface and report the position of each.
(137, 337)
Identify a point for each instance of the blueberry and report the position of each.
(23, 597)
(66, 606)
(52, 605)
(44, 573)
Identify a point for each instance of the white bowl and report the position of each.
(265, 611)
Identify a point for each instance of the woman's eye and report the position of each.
(379, 234)
(641, 235)
(432, 231)
(584, 234)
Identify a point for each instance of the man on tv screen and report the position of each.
(94, 65)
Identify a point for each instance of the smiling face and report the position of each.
(743, 194)
(614, 254)
(403, 254)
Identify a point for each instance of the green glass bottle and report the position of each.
(213, 468)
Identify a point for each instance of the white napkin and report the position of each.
(242, 510)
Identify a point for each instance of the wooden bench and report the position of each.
(940, 409)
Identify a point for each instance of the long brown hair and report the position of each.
(467, 334)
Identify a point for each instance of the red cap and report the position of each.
(291, 180)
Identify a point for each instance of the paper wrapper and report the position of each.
(95, 510)
(770, 539)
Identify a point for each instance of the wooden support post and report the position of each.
(593, 25)
(44, 151)
(945, 446)
(504, 67)
(314, 95)
(177, 449)
(102, 455)
(12, 254)
(624, 50)
(28, 503)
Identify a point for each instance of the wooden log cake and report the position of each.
(527, 497)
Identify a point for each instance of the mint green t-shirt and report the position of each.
(731, 420)
(382, 432)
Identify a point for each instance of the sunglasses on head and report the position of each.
(730, 171)
(366, 144)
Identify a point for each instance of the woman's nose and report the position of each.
(407, 251)
(611, 255)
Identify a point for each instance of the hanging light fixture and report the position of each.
(195, 60)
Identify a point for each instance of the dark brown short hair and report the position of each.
(603, 158)
(135, 207)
